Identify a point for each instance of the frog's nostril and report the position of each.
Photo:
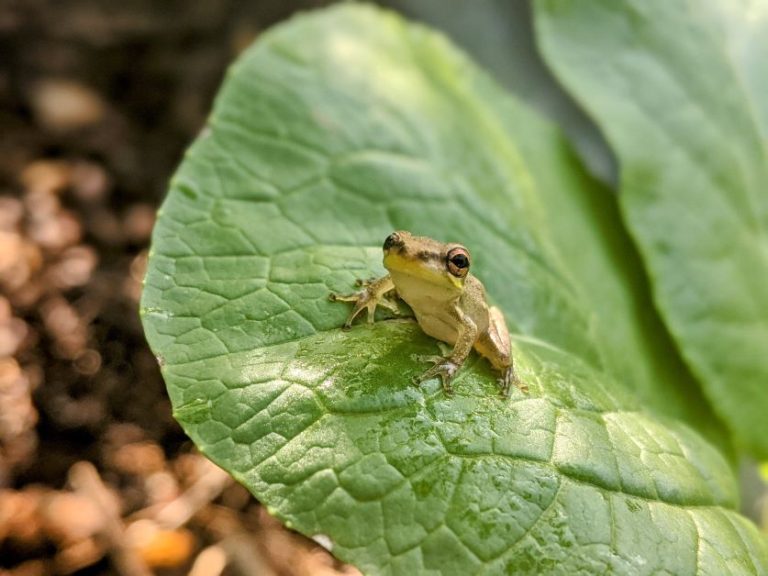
(392, 240)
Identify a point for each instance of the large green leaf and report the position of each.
(679, 89)
(329, 133)
(634, 346)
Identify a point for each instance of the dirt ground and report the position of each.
(97, 102)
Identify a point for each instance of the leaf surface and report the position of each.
(330, 132)
(679, 89)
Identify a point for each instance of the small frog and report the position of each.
(449, 303)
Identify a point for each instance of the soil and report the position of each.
(98, 101)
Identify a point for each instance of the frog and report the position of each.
(448, 301)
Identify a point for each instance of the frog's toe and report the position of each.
(508, 379)
(390, 305)
(334, 297)
(365, 282)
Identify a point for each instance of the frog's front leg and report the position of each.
(446, 367)
(373, 294)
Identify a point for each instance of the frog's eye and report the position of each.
(458, 261)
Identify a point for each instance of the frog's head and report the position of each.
(425, 259)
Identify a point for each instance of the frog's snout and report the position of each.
(394, 240)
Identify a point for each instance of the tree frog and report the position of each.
(449, 304)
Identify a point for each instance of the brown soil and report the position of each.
(97, 103)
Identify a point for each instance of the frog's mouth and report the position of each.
(429, 270)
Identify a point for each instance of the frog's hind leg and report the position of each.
(495, 346)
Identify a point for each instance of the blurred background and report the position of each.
(98, 101)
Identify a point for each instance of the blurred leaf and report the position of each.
(678, 90)
(498, 35)
(329, 133)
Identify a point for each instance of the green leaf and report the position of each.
(330, 132)
(634, 346)
(679, 90)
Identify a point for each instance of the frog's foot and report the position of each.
(364, 300)
(374, 292)
(444, 368)
(509, 378)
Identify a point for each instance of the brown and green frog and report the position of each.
(449, 303)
